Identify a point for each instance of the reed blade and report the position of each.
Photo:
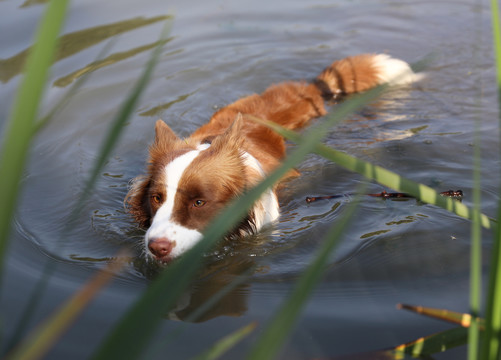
(432, 344)
(476, 227)
(491, 346)
(118, 123)
(464, 320)
(36, 345)
(389, 178)
(20, 129)
(273, 337)
(226, 343)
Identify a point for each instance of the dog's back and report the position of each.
(293, 104)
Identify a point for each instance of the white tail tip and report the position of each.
(395, 71)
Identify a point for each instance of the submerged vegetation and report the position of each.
(132, 334)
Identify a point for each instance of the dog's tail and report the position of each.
(363, 72)
(293, 104)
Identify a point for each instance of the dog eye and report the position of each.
(199, 203)
(156, 199)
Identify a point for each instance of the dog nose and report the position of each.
(161, 247)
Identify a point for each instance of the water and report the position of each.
(394, 251)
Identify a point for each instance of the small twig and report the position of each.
(457, 194)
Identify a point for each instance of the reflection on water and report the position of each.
(109, 60)
(29, 3)
(157, 110)
(221, 290)
(72, 43)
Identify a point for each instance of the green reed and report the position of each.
(20, 129)
(492, 336)
(476, 230)
(275, 334)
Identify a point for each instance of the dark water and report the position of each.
(394, 251)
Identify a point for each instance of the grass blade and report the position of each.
(422, 348)
(476, 227)
(388, 178)
(134, 330)
(475, 258)
(433, 344)
(73, 90)
(496, 35)
(37, 343)
(491, 344)
(49, 267)
(271, 340)
(121, 118)
(40, 341)
(465, 320)
(226, 343)
(31, 307)
(19, 132)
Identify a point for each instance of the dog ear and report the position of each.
(163, 133)
(136, 201)
(232, 136)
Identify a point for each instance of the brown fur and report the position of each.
(217, 173)
(349, 75)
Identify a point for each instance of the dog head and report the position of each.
(187, 184)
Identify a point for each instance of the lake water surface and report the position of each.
(393, 252)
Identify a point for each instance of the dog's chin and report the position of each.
(163, 261)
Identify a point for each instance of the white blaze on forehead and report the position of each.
(162, 225)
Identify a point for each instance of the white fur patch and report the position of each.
(394, 71)
(266, 209)
(162, 225)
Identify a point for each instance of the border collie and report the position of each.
(190, 180)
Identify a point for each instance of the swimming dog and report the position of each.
(190, 180)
